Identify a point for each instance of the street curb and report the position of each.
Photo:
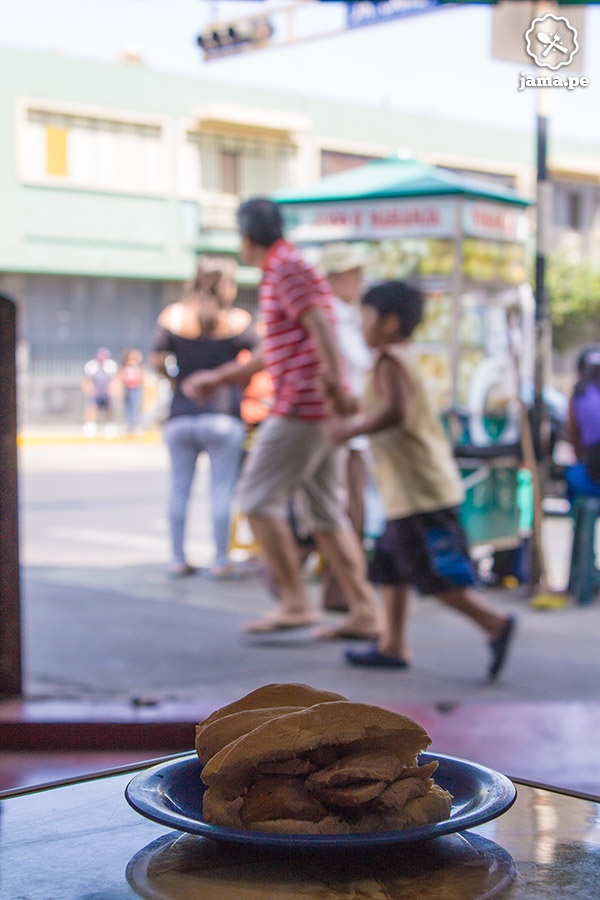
(56, 737)
(30, 439)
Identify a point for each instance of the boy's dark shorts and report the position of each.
(429, 551)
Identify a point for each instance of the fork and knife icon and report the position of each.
(552, 41)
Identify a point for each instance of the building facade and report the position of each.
(114, 177)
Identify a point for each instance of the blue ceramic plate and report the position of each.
(171, 794)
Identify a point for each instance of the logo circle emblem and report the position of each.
(551, 41)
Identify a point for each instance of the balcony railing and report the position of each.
(217, 213)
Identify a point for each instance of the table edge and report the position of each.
(130, 768)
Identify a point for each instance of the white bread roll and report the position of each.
(276, 694)
(328, 767)
(222, 731)
(348, 726)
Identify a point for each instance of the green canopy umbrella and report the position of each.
(394, 178)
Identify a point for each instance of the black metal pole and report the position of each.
(544, 212)
(10, 607)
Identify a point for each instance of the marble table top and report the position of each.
(81, 841)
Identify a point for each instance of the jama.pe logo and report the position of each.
(551, 41)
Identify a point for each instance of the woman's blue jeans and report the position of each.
(221, 437)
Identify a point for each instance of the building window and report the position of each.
(230, 181)
(574, 210)
(332, 161)
(93, 152)
(240, 166)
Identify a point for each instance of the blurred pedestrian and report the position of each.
(584, 427)
(424, 545)
(200, 332)
(131, 375)
(343, 264)
(291, 450)
(98, 385)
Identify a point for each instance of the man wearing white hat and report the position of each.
(343, 264)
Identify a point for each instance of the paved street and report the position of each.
(102, 620)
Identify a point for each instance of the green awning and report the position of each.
(394, 178)
(218, 242)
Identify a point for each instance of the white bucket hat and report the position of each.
(341, 257)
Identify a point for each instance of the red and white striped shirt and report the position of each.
(288, 289)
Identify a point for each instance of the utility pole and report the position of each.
(511, 20)
(10, 614)
(542, 312)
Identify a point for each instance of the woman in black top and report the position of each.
(202, 331)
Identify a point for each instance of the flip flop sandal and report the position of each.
(374, 659)
(499, 647)
(222, 575)
(342, 634)
(270, 626)
(181, 573)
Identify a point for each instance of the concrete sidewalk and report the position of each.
(114, 633)
(102, 619)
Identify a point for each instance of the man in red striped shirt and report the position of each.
(299, 350)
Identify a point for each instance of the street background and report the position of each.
(105, 632)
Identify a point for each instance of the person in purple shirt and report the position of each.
(584, 427)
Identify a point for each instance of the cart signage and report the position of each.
(369, 220)
(495, 222)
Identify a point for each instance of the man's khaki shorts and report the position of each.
(289, 454)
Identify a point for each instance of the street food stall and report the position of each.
(463, 240)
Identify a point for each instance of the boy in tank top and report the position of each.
(424, 545)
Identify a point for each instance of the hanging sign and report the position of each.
(494, 221)
(369, 219)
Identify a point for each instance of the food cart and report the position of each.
(463, 240)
